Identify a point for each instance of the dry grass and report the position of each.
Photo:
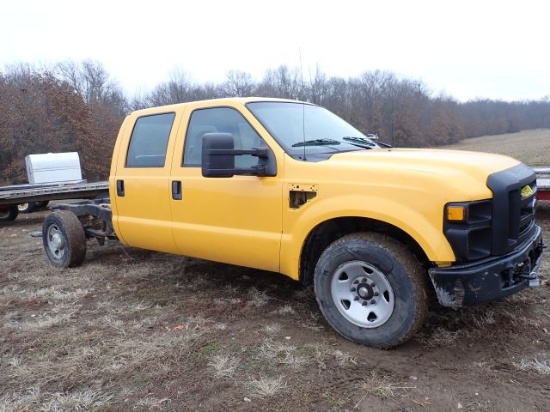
(282, 353)
(223, 366)
(381, 386)
(539, 366)
(265, 387)
(272, 329)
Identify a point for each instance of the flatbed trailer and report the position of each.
(543, 182)
(11, 196)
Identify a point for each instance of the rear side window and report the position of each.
(149, 141)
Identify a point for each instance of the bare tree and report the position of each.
(38, 114)
(238, 83)
(282, 82)
(318, 89)
(176, 90)
(91, 81)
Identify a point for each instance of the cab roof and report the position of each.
(211, 102)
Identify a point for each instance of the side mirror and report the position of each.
(216, 158)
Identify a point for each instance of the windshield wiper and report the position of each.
(317, 142)
(360, 141)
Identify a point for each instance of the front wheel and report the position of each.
(64, 239)
(371, 289)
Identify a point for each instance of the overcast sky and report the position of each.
(466, 49)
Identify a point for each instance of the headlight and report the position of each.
(467, 227)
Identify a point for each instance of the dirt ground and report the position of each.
(133, 330)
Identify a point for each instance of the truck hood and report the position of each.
(461, 172)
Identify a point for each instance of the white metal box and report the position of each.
(53, 167)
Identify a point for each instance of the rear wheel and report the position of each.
(371, 289)
(64, 239)
(26, 207)
(9, 213)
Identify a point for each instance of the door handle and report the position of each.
(120, 188)
(176, 190)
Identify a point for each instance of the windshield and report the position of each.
(308, 132)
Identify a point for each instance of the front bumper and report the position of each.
(470, 284)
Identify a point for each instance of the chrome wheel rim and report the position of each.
(56, 242)
(362, 294)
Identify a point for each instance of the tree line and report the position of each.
(78, 106)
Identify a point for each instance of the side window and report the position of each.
(149, 141)
(222, 120)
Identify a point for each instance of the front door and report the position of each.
(235, 220)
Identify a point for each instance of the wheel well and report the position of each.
(327, 232)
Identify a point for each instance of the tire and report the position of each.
(26, 207)
(371, 289)
(64, 239)
(9, 214)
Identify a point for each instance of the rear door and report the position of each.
(142, 215)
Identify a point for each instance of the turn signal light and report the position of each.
(456, 213)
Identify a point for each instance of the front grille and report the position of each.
(527, 211)
(513, 207)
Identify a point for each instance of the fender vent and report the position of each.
(300, 194)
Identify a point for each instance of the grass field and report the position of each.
(532, 147)
(133, 330)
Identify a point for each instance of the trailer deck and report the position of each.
(16, 194)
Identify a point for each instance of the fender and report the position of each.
(422, 227)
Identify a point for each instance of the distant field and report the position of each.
(532, 147)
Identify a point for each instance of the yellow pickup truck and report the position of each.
(289, 187)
